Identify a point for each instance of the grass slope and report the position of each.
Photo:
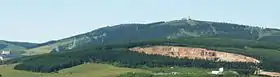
(38, 50)
(85, 70)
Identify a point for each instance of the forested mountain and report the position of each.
(125, 33)
(110, 45)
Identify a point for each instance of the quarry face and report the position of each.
(194, 53)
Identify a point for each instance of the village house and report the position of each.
(6, 55)
(6, 52)
(219, 72)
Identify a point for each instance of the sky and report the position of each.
(40, 21)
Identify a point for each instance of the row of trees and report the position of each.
(205, 42)
(2, 46)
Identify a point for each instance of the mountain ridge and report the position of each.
(164, 30)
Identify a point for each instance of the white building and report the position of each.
(1, 58)
(6, 52)
(221, 70)
(6, 55)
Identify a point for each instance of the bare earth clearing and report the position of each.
(195, 53)
(272, 74)
(200, 53)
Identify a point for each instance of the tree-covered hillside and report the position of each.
(167, 30)
(119, 55)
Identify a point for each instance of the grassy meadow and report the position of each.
(84, 70)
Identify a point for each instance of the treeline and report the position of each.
(119, 57)
(205, 42)
(226, 42)
(2, 46)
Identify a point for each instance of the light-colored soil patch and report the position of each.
(272, 74)
(194, 53)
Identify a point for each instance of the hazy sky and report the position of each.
(44, 20)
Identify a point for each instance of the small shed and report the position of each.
(220, 71)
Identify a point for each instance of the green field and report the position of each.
(100, 70)
(106, 70)
(39, 50)
(182, 72)
(85, 70)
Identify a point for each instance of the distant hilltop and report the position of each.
(125, 33)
